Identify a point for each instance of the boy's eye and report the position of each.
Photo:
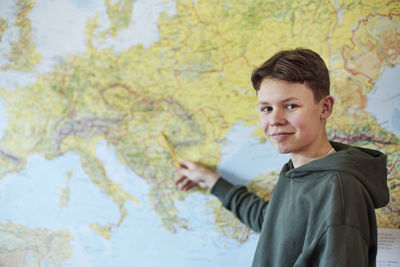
(291, 106)
(266, 109)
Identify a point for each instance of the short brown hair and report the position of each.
(299, 66)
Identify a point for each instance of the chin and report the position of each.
(281, 149)
(284, 151)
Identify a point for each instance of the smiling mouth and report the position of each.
(280, 133)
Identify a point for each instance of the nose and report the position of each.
(277, 118)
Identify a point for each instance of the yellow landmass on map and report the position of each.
(366, 60)
(226, 223)
(3, 27)
(65, 192)
(119, 14)
(103, 230)
(22, 55)
(23, 246)
(193, 85)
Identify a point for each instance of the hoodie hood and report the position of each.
(367, 165)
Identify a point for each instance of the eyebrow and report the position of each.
(283, 101)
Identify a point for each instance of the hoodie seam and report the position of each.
(338, 225)
(341, 197)
(345, 225)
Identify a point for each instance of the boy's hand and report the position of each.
(193, 174)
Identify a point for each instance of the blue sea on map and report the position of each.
(31, 197)
(384, 100)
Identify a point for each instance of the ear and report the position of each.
(327, 106)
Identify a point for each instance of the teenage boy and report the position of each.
(321, 212)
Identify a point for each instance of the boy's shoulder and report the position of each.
(351, 168)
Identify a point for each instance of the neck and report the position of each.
(317, 151)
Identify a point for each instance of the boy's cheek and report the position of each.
(262, 125)
(306, 127)
(300, 124)
(302, 121)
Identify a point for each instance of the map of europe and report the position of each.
(87, 88)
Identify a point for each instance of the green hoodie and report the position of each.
(319, 214)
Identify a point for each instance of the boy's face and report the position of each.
(289, 117)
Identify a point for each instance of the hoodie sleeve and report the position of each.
(247, 207)
(332, 251)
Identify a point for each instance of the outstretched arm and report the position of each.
(192, 174)
(249, 208)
